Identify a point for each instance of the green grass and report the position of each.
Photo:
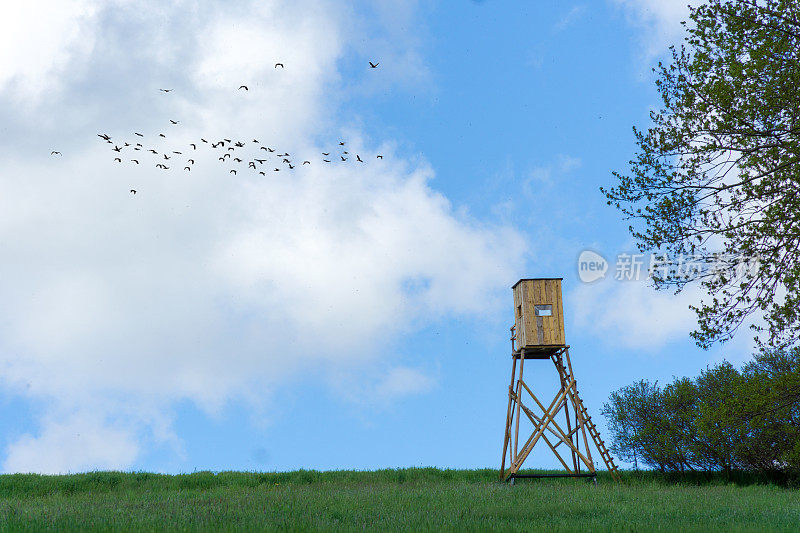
(406, 499)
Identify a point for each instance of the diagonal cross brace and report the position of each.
(539, 431)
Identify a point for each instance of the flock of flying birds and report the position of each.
(236, 155)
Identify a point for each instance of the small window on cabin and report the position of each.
(543, 310)
(519, 311)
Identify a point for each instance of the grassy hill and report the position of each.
(405, 499)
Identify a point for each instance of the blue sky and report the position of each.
(337, 317)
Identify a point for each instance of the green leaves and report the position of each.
(722, 420)
(719, 169)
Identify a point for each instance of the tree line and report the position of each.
(725, 419)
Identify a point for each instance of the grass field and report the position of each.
(407, 499)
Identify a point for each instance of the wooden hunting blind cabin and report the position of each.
(538, 333)
(539, 317)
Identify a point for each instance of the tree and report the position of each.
(623, 423)
(717, 426)
(681, 405)
(722, 420)
(715, 183)
(645, 426)
(769, 410)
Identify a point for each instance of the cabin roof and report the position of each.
(533, 279)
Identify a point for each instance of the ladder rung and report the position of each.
(586, 421)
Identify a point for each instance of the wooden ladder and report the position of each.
(566, 377)
(598, 440)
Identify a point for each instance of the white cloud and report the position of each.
(632, 314)
(567, 163)
(205, 286)
(575, 13)
(659, 21)
(401, 381)
(381, 384)
(39, 40)
(79, 443)
(547, 174)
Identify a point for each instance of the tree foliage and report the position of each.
(716, 178)
(723, 420)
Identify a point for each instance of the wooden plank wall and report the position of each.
(533, 330)
(517, 317)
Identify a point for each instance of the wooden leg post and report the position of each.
(509, 412)
(574, 411)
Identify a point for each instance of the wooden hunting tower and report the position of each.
(539, 317)
(538, 333)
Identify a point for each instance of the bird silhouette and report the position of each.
(277, 170)
(117, 148)
(127, 144)
(239, 144)
(255, 141)
(327, 160)
(279, 65)
(136, 148)
(159, 165)
(174, 121)
(341, 143)
(345, 152)
(104, 136)
(187, 168)
(191, 161)
(139, 134)
(194, 146)
(205, 141)
(343, 158)
(324, 153)
(358, 158)
(233, 172)
(179, 153)
(166, 157)
(243, 87)
(306, 162)
(55, 153)
(133, 191)
(285, 160)
(231, 148)
(227, 140)
(135, 161)
(222, 159)
(138, 144)
(165, 90)
(237, 159)
(379, 157)
(260, 161)
(373, 65)
(251, 165)
(151, 150)
(262, 173)
(118, 160)
(162, 135)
